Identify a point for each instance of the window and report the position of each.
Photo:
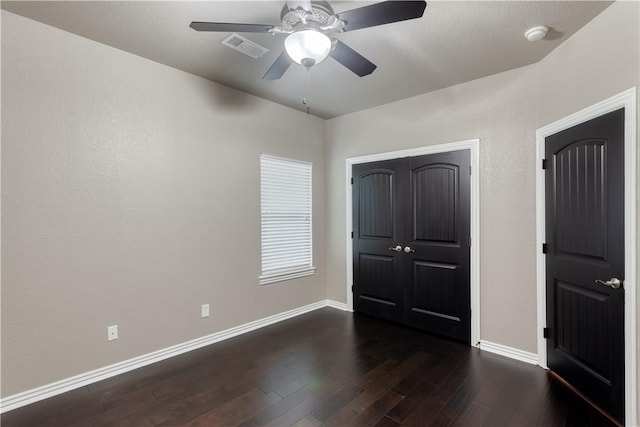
(285, 199)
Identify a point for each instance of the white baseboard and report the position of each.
(49, 390)
(337, 305)
(510, 352)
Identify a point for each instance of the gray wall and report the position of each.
(599, 61)
(130, 196)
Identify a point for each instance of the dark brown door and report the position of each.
(411, 242)
(379, 204)
(585, 237)
(437, 290)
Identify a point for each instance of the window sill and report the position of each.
(281, 276)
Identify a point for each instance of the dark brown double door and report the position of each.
(411, 242)
(585, 236)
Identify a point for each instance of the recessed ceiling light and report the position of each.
(536, 33)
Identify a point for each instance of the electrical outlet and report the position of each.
(205, 310)
(112, 333)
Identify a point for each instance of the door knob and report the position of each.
(612, 283)
(407, 249)
(396, 249)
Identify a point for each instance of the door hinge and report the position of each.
(351, 181)
(545, 248)
(352, 234)
(469, 170)
(352, 290)
(469, 241)
(544, 163)
(545, 332)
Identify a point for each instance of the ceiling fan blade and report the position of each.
(278, 68)
(352, 59)
(381, 13)
(228, 27)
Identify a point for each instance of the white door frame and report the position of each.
(474, 146)
(626, 99)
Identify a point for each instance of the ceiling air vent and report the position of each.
(246, 46)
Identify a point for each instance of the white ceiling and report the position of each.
(454, 42)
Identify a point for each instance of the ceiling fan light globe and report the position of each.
(307, 47)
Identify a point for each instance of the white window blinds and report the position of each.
(285, 198)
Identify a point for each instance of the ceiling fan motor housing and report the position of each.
(321, 18)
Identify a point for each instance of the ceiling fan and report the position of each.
(312, 27)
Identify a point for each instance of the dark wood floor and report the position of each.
(323, 368)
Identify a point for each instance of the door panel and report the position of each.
(420, 204)
(585, 236)
(376, 272)
(580, 306)
(435, 199)
(581, 197)
(438, 298)
(377, 201)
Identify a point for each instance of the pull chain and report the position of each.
(305, 101)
